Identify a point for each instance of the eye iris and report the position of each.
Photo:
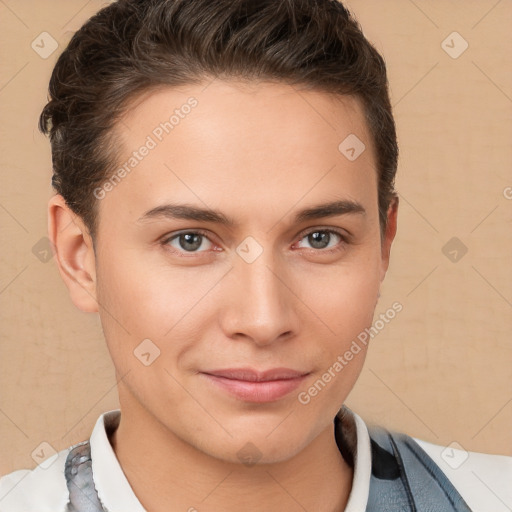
(318, 238)
(192, 239)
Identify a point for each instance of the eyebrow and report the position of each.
(195, 213)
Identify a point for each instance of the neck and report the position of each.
(167, 474)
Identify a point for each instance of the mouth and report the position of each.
(256, 386)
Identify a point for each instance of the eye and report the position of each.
(324, 239)
(191, 242)
(188, 241)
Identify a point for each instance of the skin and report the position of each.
(259, 153)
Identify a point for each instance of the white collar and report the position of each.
(113, 488)
(116, 494)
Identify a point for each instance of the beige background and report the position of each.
(440, 371)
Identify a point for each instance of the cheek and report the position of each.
(346, 306)
(144, 301)
(344, 298)
(351, 304)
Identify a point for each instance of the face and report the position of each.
(227, 292)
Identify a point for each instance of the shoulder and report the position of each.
(483, 480)
(42, 489)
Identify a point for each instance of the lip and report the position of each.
(256, 386)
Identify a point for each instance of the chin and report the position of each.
(257, 449)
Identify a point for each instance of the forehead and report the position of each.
(244, 143)
(228, 112)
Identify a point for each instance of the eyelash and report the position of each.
(340, 246)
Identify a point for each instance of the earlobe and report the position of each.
(389, 235)
(74, 253)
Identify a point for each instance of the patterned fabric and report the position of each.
(78, 472)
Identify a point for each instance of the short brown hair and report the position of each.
(132, 46)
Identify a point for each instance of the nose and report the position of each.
(260, 305)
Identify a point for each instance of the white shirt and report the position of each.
(484, 481)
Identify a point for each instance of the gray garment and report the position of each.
(404, 478)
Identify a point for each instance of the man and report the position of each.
(224, 174)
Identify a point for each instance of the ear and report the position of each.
(74, 253)
(389, 236)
